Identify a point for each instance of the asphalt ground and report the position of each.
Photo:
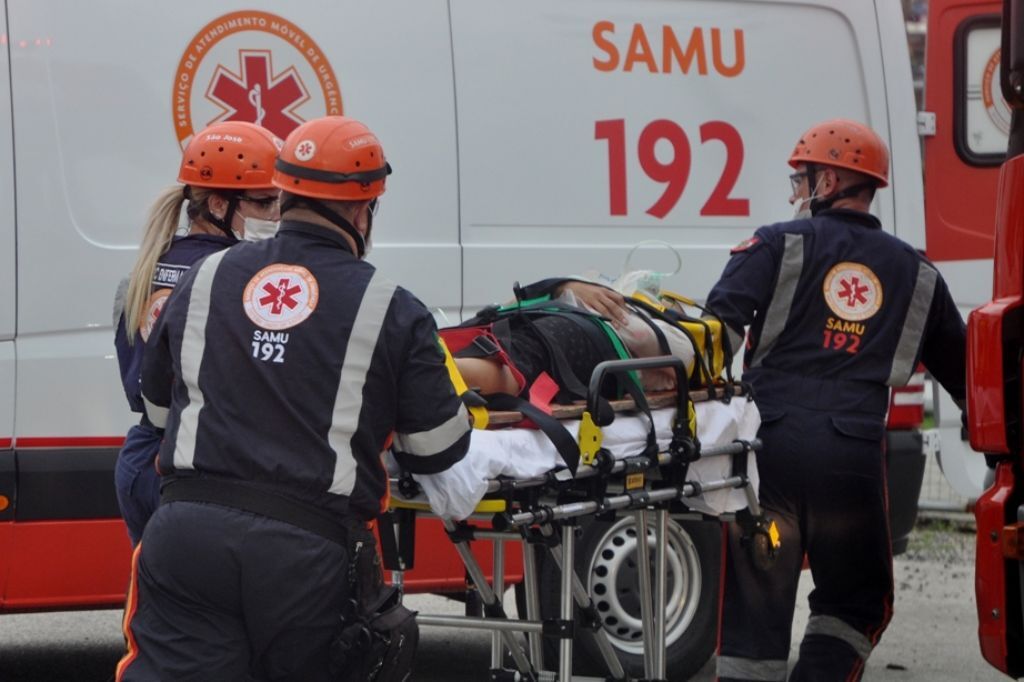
(932, 638)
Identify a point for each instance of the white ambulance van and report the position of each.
(528, 139)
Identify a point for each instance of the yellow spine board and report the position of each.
(697, 330)
(479, 414)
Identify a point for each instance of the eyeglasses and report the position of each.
(262, 203)
(797, 179)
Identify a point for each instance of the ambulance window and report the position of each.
(981, 115)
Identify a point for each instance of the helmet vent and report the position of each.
(238, 177)
(220, 149)
(357, 164)
(241, 156)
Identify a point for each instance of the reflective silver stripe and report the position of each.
(119, 299)
(782, 298)
(437, 439)
(735, 339)
(913, 325)
(193, 345)
(751, 669)
(830, 626)
(157, 415)
(349, 402)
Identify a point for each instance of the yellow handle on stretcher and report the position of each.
(479, 413)
(590, 439)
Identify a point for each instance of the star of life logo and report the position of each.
(852, 291)
(305, 150)
(280, 296)
(992, 96)
(154, 306)
(252, 66)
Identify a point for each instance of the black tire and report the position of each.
(606, 558)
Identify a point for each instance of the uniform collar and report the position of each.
(850, 215)
(317, 231)
(211, 238)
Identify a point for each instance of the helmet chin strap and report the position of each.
(333, 217)
(819, 204)
(223, 224)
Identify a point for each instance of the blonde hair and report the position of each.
(161, 226)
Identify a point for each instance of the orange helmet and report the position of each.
(335, 158)
(844, 144)
(230, 155)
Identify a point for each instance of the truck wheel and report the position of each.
(606, 562)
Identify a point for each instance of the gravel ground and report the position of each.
(934, 631)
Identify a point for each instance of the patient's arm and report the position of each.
(602, 300)
(487, 376)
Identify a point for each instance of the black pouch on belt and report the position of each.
(379, 636)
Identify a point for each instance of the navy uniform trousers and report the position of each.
(823, 482)
(215, 597)
(136, 479)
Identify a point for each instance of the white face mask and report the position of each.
(803, 207)
(257, 229)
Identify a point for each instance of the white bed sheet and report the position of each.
(525, 453)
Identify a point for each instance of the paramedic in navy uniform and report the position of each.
(281, 369)
(226, 174)
(838, 311)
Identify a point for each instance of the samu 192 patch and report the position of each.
(280, 296)
(853, 291)
(745, 244)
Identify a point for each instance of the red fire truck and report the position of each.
(995, 345)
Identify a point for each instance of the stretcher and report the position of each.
(513, 486)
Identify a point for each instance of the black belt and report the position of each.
(265, 503)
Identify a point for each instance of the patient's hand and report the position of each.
(602, 300)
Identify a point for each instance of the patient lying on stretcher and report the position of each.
(531, 343)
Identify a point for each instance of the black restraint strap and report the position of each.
(566, 445)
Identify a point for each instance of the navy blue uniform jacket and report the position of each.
(836, 299)
(288, 363)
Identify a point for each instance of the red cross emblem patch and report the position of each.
(154, 306)
(280, 296)
(852, 291)
(744, 245)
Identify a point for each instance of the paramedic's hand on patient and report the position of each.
(602, 300)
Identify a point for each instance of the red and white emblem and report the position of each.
(744, 245)
(852, 291)
(992, 95)
(305, 150)
(252, 66)
(280, 296)
(154, 306)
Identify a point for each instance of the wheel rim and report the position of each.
(612, 580)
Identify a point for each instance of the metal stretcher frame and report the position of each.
(529, 511)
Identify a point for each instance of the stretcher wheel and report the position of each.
(606, 562)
